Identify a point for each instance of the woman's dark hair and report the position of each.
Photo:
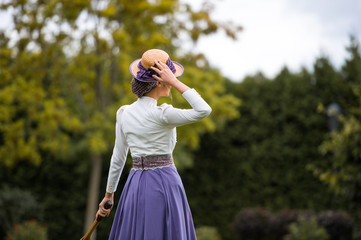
(140, 88)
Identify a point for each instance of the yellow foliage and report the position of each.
(109, 11)
(68, 88)
(97, 145)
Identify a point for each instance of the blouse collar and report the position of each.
(148, 100)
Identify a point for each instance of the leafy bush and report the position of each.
(30, 230)
(306, 229)
(339, 225)
(17, 206)
(207, 233)
(253, 224)
(281, 221)
(259, 224)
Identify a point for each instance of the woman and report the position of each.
(153, 204)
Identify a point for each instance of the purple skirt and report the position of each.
(153, 205)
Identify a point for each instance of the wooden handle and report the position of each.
(107, 205)
(91, 230)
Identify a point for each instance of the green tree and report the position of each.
(74, 56)
(35, 118)
(260, 159)
(343, 145)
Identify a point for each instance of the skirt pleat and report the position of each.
(153, 206)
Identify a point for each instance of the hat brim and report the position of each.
(134, 69)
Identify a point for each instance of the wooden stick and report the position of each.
(96, 222)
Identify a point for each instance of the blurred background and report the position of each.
(279, 157)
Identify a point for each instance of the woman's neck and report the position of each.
(152, 94)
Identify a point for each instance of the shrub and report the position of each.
(281, 221)
(339, 225)
(252, 224)
(30, 230)
(306, 228)
(17, 206)
(207, 233)
(259, 224)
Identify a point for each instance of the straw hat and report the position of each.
(148, 60)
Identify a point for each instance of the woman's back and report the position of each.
(145, 132)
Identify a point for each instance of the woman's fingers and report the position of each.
(158, 64)
(157, 78)
(156, 70)
(164, 74)
(161, 65)
(103, 213)
(99, 214)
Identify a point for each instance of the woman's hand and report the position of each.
(102, 211)
(166, 76)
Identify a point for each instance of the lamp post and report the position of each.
(333, 111)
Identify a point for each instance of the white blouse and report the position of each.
(147, 129)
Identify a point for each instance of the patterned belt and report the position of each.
(152, 162)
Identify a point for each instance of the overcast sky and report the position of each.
(277, 33)
(281, 32)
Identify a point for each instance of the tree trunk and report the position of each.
(93, 193)
(95, 177)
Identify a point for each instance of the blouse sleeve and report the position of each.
(119, 156)
(177, 117)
